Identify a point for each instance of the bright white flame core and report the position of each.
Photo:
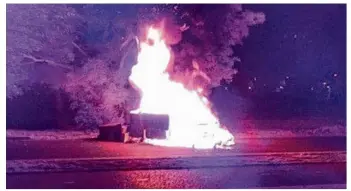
(191, 123)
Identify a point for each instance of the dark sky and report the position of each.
(303, 44)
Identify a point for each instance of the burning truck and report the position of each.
(169, 114)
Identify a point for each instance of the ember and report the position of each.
(191, 122)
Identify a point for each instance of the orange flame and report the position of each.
(191, 122)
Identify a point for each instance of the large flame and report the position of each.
(191, 122)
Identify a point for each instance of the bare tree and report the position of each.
(36, 35)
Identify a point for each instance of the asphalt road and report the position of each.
(212, 176)
(230, 177)
(31, 149)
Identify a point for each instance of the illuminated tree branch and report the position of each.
(49, 62)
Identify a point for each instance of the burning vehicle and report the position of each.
(169, 114)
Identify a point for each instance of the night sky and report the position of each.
(299, 47)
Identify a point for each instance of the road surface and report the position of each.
(31, 149)
(147, 166)
(236, 177)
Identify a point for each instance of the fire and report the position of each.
(191, 122)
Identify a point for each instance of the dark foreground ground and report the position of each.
(251, 163)
(40, 149)
(234, 177)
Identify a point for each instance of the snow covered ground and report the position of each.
(332, 130)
